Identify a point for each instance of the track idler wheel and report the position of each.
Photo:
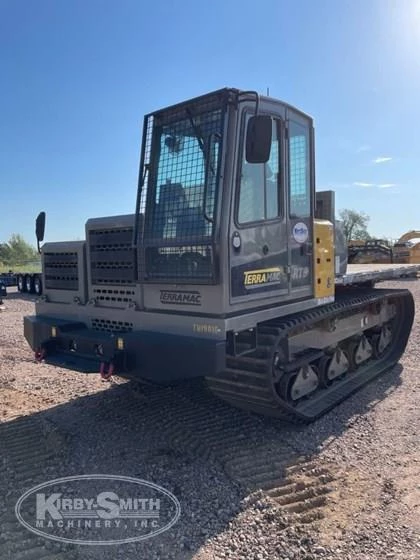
(333, 367)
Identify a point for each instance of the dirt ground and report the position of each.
(345, 487)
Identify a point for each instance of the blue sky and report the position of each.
(78, 76)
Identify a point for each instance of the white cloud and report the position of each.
(363, 148)
(378, 185)
(382, 159)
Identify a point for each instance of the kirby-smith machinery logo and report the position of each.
(97, 509)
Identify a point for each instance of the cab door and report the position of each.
(259, 251)
(300, 189)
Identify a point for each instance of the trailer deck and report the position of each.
(362, 273)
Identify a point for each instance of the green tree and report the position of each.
(17, 251)
(4, 253)
(354, 224)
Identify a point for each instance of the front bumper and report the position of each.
(138, 354)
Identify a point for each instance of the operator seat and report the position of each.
(186, 221)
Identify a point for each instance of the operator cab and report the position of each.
(236, 166)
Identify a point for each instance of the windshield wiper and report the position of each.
(208, 164)
(197, 132)
(200, 139)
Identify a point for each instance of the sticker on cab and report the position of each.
(300, 232)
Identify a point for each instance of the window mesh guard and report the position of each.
(182, 153)
(299, 175)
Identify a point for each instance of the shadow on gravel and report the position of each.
(208, 454)
(19, 296)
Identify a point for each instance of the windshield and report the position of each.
(184, 193)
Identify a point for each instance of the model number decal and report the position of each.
(180, 298)
(206, 329)
(300, 272)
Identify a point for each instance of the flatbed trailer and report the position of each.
(3, 291)
(26, 282)
(30, 282)
(8, 279)
(372, 273)
(371, 252)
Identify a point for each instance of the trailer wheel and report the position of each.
(38, 285)
(21, 285)
(29, 283)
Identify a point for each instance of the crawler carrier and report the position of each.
(229, 269)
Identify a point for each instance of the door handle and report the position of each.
(306, 249)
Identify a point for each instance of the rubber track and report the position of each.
(247, 382)
(28, 455)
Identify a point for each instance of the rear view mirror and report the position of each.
(40, 228)
(258, 139)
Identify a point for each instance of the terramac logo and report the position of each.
(180, 298)
(98, 509)
(263, 277)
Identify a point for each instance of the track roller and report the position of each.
(333, 367)
(380, 342)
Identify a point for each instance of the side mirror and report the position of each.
(258, 139)
(40, 228)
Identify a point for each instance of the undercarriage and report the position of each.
(350, 342)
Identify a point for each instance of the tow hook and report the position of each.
(40, 355)
(106, 370)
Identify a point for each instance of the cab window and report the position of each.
(258, 191)
(299, 177)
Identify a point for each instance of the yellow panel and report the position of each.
(324, 258)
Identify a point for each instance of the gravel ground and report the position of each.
(346, 487)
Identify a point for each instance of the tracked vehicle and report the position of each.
(407, 248)
(229, 269)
